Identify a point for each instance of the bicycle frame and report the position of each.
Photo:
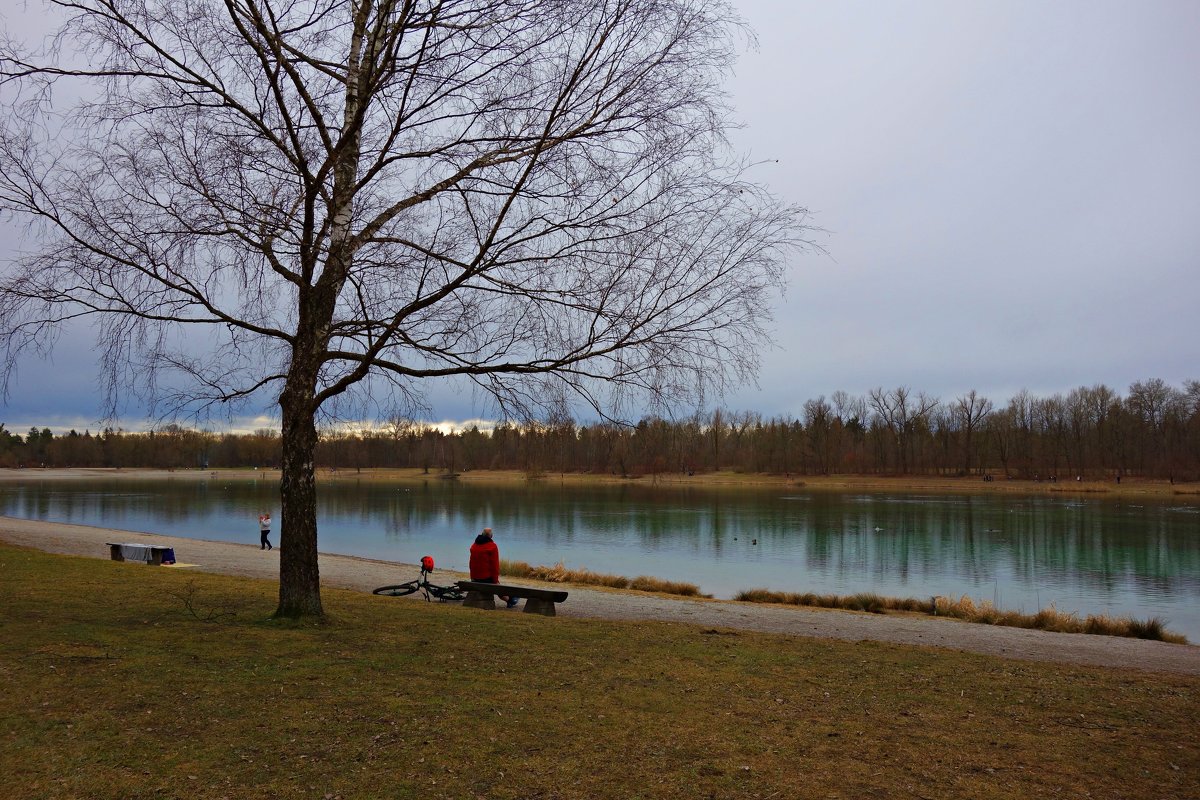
(443, 594)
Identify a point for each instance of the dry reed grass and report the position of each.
(559, 573)
(965, 608)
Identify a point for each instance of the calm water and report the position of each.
(1087, 556)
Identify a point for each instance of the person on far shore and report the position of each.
(485, 562)
(264, 529)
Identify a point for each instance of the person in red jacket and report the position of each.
(485, 562)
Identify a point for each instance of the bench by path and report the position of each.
(148, 553)
(537, 601)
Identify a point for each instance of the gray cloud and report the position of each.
(1011, 192)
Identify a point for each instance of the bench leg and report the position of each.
(480, 600)
(536, 605)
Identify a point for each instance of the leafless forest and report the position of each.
(1153, 431)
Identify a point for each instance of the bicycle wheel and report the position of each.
(400, 590)
(447, 593)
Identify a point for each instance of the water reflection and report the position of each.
(1089, 556)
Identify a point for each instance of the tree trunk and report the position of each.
(967, 452)
(299, 577)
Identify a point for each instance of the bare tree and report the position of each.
(320, 201)
(1051, 416)
(1000, 427)
(1191, 391)
(818, 422)
(969, 413)
(1149, 402)
(902, 415)
(1102, 403)
(851, 414)
(1021, 408)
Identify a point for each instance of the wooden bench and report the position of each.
(149, 553)
(537, 601)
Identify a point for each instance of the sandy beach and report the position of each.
(361, 574)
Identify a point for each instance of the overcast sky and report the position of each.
(1010, 193)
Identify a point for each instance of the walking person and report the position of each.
(264, 529)
(485, 562)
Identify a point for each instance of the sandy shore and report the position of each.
(362, 574)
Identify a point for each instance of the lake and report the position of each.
(1082, 555)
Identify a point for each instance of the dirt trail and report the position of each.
(362, 574)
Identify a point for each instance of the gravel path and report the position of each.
(362, 574)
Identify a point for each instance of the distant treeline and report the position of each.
(1152, 431)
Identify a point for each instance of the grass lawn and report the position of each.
(128, 681)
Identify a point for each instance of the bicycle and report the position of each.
(444, 594)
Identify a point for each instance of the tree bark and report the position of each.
(299, 575)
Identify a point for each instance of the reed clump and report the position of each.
(560, 573)
(648, 583)
(983, 612)
(863, 601)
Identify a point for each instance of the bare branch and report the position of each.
(308, 202)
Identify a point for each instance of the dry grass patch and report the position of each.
(1047, 619)
(559, 573)
(1051, 619)
(863, 601)
(124, 693)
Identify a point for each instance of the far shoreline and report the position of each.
(915, 484)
